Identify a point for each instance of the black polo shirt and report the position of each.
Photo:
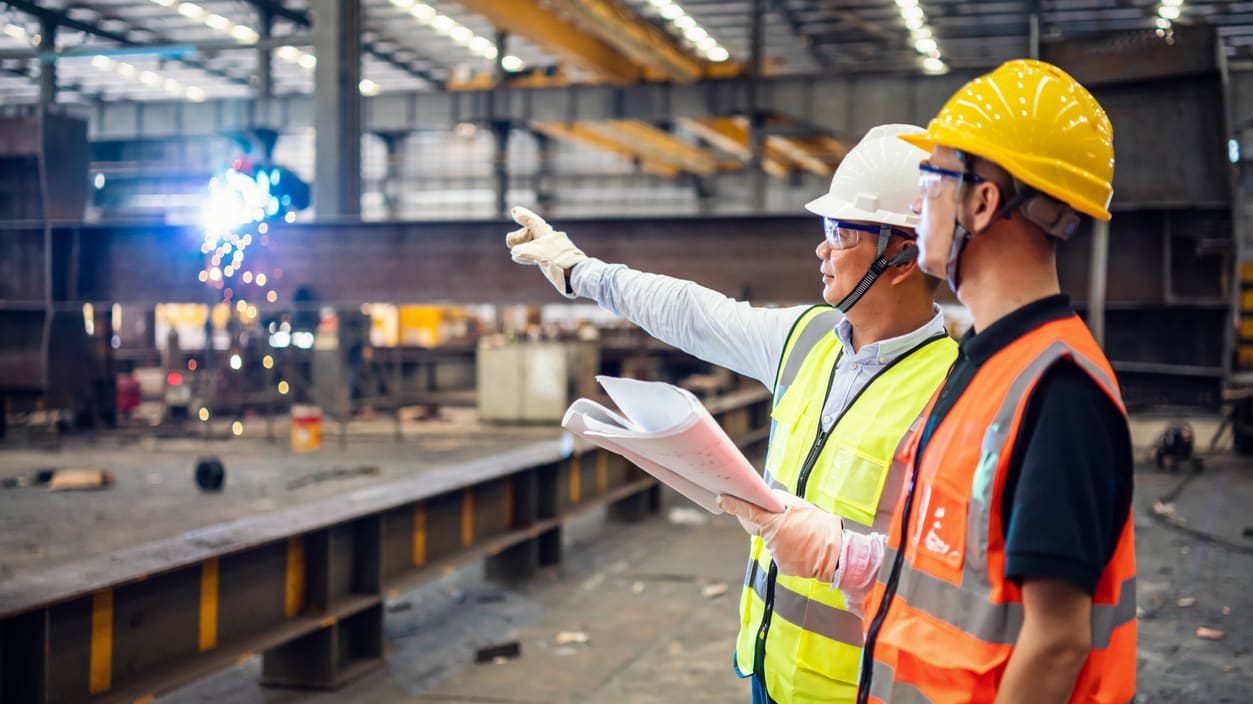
(1070, 477)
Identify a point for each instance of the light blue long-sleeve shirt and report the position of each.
(746, 339)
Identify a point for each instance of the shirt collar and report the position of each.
(979, 347)
(885, 351)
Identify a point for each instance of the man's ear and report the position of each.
(983, 201)
(900, 273)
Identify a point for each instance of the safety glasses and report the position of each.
(846, 235)
(931, 177)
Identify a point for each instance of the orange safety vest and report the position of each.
(953, 619)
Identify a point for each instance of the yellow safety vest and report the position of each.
(796, 633)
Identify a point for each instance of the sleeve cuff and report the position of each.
(587, 277)
(1025, 566)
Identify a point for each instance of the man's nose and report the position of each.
(823, 250)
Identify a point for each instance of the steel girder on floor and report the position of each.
(305, 586)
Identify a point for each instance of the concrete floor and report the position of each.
(637, 591)
(155, 496)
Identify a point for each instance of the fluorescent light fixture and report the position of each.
(218, 22)
(684, 22)
(289, 54)
(16, 31)
(101, 61)
(403, 4)
(920, 33)
(462, 35)
(191, 10)
(149, 78)
(660, 3)
(368, 87)
(308, 61)
(672, 12)
(443, 24)
(707, 43)
(247, 35)
(717, 54)
(1161, 22)
(172, 86)
(512, 63)
(934, 64)
(195, 94)
(481, 45)
(906, 3)
(908, 13)
(423, 13)
(913, 23)
(1169, 12)
(125, 70)
(925, 46)
(1173, 3)
(695, 34)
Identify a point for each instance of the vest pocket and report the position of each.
(853, 484)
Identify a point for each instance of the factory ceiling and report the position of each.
(113, 50)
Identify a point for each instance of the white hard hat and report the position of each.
(877, 181)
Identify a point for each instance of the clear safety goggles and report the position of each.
(931, 178)
(845, 235)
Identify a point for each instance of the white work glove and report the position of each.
(538, 243)
(803, 539)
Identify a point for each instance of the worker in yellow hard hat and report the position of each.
(1008, 570)
(848, 377)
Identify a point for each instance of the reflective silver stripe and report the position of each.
(817, 328)
(893, 484)
(995, 438)
(774, 483)
(885, 688)
(813, 616)
(971, 611)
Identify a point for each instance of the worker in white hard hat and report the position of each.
(849, 378)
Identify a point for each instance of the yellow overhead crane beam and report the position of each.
(658, 145)
(800, 153)
(603, 36)
(730, 134)
(530, 19)
(581, 133)
(649, 46)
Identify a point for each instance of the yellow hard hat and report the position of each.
(1039, 124)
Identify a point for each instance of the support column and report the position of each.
(48, 69)
(1097, 278)
(544, 197)
(265, 53)
(393, 171)
(1033, 30)
(337, 107)
(756, 37)
(500, 131)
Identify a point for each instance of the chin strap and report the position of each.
(907, 254)
(960, 237)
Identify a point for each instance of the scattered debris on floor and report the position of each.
(686, 516)
(210, 474)
(1186, 601)
(333, 474)
(498, 653)
(1209, 633)
(398, 606)
(713, 591)
(568, 637)
(83, 479)
(637, 588)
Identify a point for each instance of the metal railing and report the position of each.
(305, 586)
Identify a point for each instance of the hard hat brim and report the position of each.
(1009, 162)
(828, 205)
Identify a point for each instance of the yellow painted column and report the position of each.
(208, 604)
(467, 518)
(101, 672)
(419, 535)
(294, 598)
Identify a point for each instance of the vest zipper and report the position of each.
(815, 450)
(894, 577)
(807, 467)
